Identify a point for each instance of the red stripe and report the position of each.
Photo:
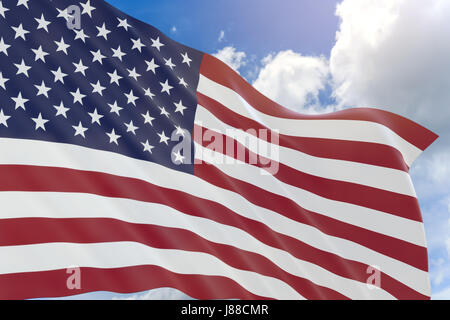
(27, 178)
(356, 151)
(25, 231)
(219, 72)
(393, 203)
(52, 283)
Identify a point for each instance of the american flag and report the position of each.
(148, 164)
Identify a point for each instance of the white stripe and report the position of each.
(374, 176)
(67, 205)
(55, 256)
(70, 156)
(354, 130)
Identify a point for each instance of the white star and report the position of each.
(40, 122)
(114, 77)
(79, 34)
(43, 24)
(137, 44)
(166, 87)
(115, 108)
(178, 157)
(148, 93)
(20, 101)
(61, 110)
(103, 32)
(118, 53)
(79, 130)
(63, 14)
(98, 88)
(147, 118)
(180, 131)
(22, 68)
(147, 146)
(62, 46)
(131, 98)
(95, 117)
(3, 81)
(123, 23)
(80, 67)
(23, 3)
(182, 82)
(3, 10)
(42, 89)
(168, 62)
(97, 56)
(39, 54)
(156, 44)
(113, 137)
(3, 46)
(151, 65)
(20, 32)
(133, 74)
(87, 8)
(179, 107)
(78, 96)
(186, 59)
(59, 75)
(4, 118)
(131, 127)
(163, 138)
(164, 112)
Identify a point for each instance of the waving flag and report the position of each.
(143, 163)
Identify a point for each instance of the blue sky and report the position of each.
(387, 55)
(255, 26)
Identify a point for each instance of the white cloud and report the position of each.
(431, 172)
(229, 55)
(173, 29)
(447, 244)
(394, 54)
(391, 54)
(155, 294)
(442, 295)
(292, 80)
(221, 36)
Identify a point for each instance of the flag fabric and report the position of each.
(147, 164)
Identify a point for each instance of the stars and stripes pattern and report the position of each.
(89, 118)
